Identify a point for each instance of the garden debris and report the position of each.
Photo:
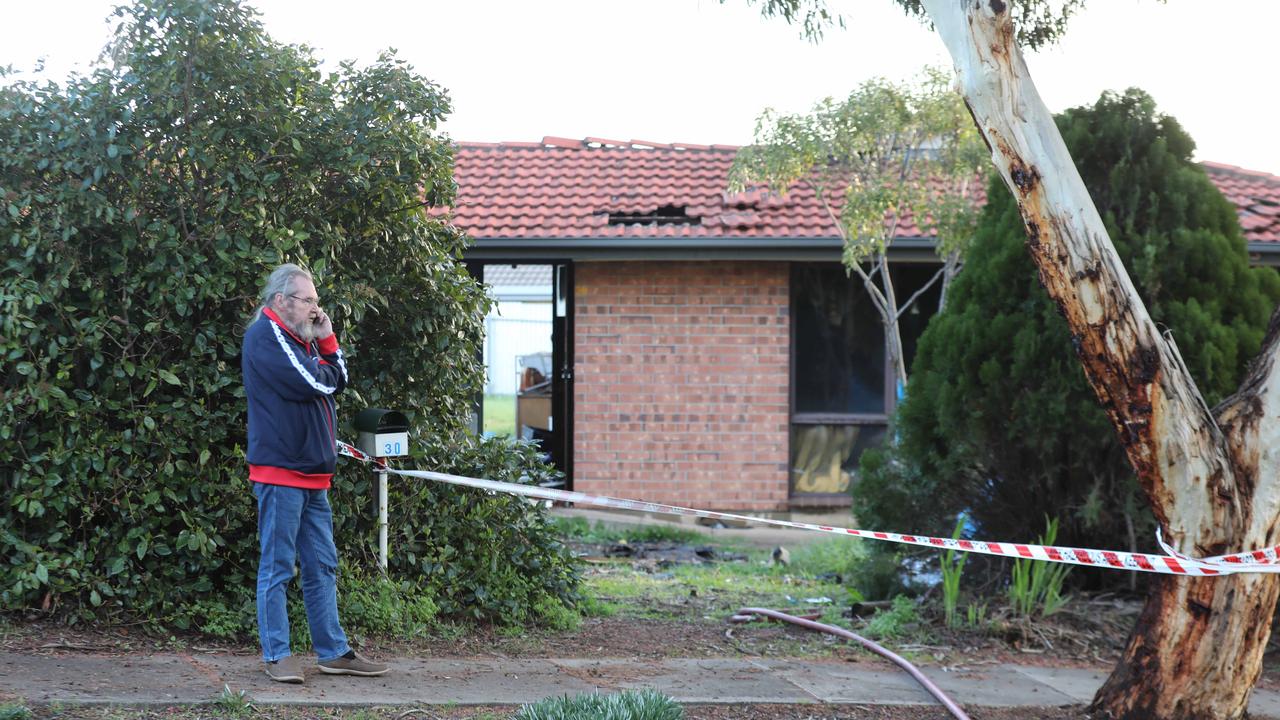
(721, 523)
(803, 613)
(864, 608)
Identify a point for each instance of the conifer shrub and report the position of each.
(998, 421)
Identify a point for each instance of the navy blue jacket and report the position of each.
(292, 414)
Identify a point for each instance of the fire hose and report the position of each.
(745, 614)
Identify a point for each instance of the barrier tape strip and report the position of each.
(1173, 563)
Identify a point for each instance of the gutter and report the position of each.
(819, 249)
(1265, 254)
(683, 248)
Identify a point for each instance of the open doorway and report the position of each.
(528, 358)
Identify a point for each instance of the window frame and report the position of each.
(803, 499)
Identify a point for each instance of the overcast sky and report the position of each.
(699, 71)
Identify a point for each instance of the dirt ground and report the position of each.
(597, 637)
(502, 712)
(1089, 634)
(610, 637)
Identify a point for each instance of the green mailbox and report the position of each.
(382, 433)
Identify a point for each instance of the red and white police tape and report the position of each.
(1173, 563)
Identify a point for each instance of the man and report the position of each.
(292, 369)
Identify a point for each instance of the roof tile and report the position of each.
(565, 188)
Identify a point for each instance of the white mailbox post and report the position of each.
(382, 434)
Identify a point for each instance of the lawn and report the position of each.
(500, 414)
(643, 588)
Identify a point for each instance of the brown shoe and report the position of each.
(352, 664)
(286, 670)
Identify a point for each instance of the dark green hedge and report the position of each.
(140, 209)
(999, 421)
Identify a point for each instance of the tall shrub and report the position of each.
(999, 421)
(140, 207)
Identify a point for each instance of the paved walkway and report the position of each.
(167, 679)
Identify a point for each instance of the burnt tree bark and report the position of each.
(1210, 476)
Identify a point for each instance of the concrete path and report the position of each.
(189, 678)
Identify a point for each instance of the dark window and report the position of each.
(839, 362)
(839, 372)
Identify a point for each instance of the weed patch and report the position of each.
(10, 711)
(899, 621)
(1036, 585)
(234, 703)
(627, 705)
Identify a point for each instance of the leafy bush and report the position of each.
(998, 421)
(883, 572)
(898, 621)
(626, 705)
(483, 555)
(141, 207)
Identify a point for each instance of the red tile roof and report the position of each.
(568, 188)
(1256, 196)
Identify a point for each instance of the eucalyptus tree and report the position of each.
(887, 152)
(1000, 423)
(1209, 475)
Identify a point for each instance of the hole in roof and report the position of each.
(665, 215)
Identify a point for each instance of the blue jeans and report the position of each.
(297, 525)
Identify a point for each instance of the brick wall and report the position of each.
(681, 382)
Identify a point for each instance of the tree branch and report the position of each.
(877, 298)
(1250, 419)
(923, 289)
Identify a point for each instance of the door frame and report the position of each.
(562, 303)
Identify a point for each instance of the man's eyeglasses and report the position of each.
(311, 302)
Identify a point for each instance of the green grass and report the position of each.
(500, 414)
(718, 589)
(899, 621)
(820, 577)
(841, 556)
(582, 530)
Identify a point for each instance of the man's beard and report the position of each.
(305, 330)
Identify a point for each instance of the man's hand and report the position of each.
(324, 327)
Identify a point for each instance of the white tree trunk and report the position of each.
(1197, 649)
(892, 329)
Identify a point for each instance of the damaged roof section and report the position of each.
(669, 214)
(597, 188)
